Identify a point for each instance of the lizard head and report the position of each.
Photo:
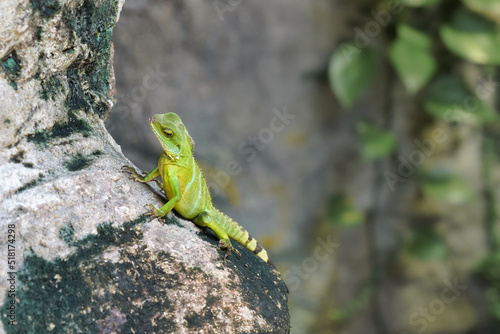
(172, 134)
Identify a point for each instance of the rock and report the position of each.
(86, 259)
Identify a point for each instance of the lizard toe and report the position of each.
(226, 246)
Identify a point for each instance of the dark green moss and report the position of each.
(84, 293)
(194, 320)
(97, 153)
(61, 130)
(94, 26)
(47, 8)
(72, 293)
(40, 138)
(30, 184)
(11, 65)
(208, 317)
(76, 100)
(28, 164)
(77, 162)
(50, 88)
(38, 33)
(18, 157)
(259, 299)
(212, 297)
(108, 235)
(6, 121)
(67, 234)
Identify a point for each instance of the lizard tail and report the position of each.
(238, 233)
(255, 247)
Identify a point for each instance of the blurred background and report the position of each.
(357, 140)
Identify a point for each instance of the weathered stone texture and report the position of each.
(87, 260)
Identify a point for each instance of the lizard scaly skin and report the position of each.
(186, 188)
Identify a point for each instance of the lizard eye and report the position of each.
(169, 133)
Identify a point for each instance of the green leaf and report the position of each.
(487, 8)
(443, 185)
(427, 244)
(416, 37)
(411, 57)
(342, 212)
(419, 3)
(375, 143)
(448, 98)
(472, 37)
(350, 71)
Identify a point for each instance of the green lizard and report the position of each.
(186, 188)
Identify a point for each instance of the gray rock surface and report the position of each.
(225, 71)
(86, 259)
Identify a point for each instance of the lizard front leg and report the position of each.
(141, 178)
(173, 181)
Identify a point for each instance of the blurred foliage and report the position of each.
(355, 304)
(487, 8)
(472, 37)
(428, 244)
(342, 212)
(375, 142)
(490, 269)
(351, 70)
(428, 44)
(418, 3)
(449, 98)
(440, 184)
(410, 54)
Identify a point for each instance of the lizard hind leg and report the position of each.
(204, 219)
